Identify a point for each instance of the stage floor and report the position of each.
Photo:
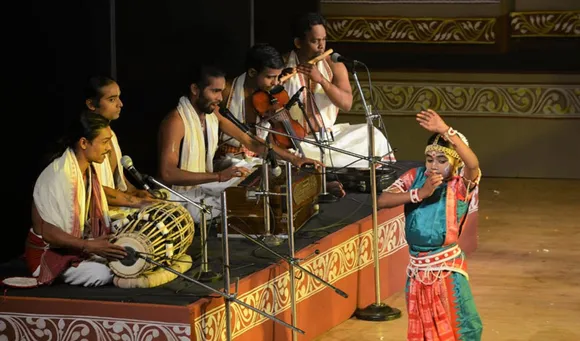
(245, 258)
(181, 310)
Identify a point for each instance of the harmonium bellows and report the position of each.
(246, 210)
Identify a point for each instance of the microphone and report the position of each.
(337, 58)
(128, 165)
(295, 98)
(276, 171)
(274, 167)
(228, 114)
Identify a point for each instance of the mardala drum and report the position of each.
(162, 232)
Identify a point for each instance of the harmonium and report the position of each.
(246, 209)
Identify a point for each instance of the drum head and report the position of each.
(130, 269)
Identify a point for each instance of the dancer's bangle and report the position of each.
(415, 195)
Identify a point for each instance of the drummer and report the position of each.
(70, 215)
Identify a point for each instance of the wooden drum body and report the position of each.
(162, 232)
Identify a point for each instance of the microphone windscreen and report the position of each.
(126, 161)
(277, 171)
(334, 57)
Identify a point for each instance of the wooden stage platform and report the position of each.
(182, 311)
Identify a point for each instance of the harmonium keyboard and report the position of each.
(246, 209)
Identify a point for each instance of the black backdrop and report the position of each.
(51, 48)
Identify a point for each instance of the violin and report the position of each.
(269, 104)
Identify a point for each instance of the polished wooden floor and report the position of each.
(525, 273)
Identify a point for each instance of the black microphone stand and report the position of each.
(291, 260)
(204, 273)
(269, 238)
(374, 159)
(324, 196)
(227, 296)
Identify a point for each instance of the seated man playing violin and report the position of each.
(263, 64)
(255, 98)
(328, 91)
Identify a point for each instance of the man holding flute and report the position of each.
(328, 91)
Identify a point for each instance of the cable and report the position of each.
(374, 105)
(339, 222)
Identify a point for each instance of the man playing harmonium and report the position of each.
(188, 142)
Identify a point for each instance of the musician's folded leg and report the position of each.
(89, 273)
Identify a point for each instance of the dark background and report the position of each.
(51, 48)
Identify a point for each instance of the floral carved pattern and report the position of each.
(274, 297)
(545, 24)
(31, 327)
(412, 30)
(520, 99)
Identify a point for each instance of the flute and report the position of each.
(311, 61)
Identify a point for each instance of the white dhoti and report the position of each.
(89, 273)
(353, 138)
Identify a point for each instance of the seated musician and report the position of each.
(102, 95)
(70, 218)
(328, 91)
(263, 66)
(188, 141)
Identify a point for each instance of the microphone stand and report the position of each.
(290, 223)
(291, 260)
(204, 273)
(377, 311)
(324, 196)
(269, 238)
(375, 159)
(226, 295)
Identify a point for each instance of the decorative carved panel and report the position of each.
(412, 30)
(531, 100)
(545, 24)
